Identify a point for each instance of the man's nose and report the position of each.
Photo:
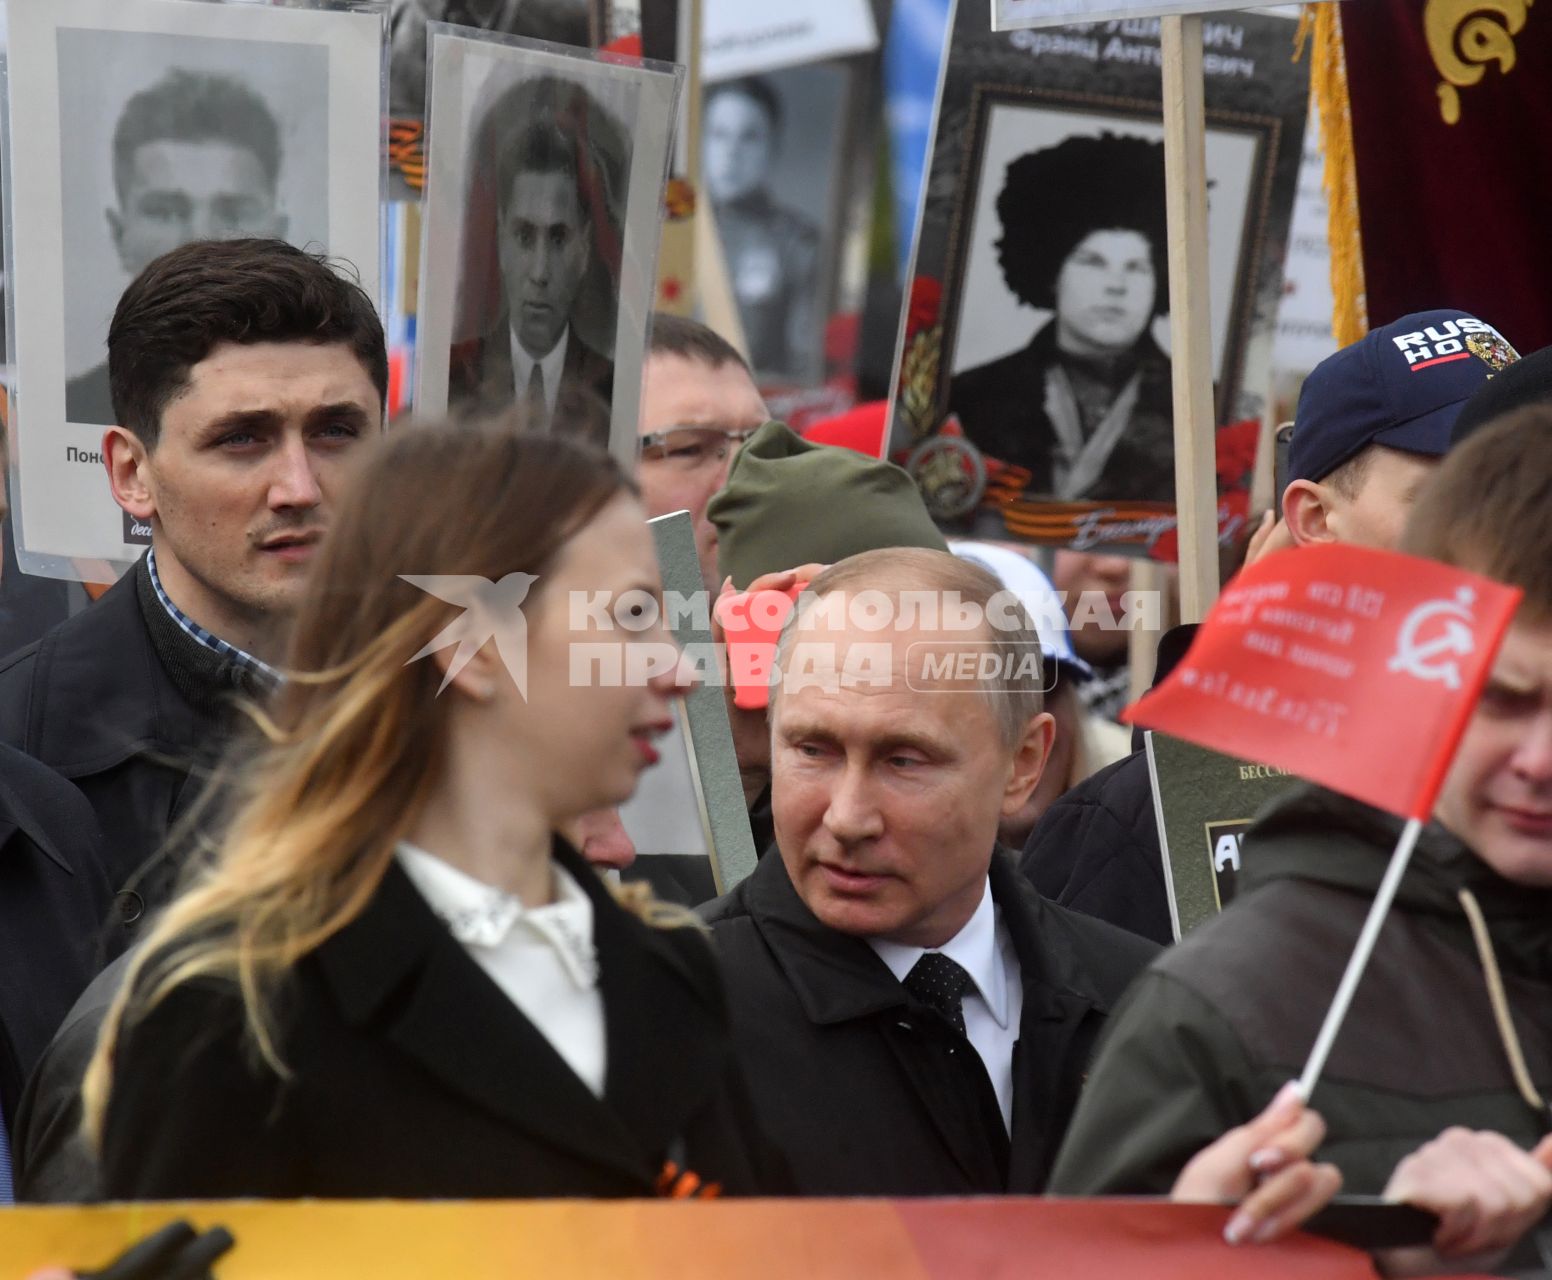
(852, 816)
(539, 261)
(1532, 758)
(294, 482)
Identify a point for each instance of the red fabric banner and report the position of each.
(1352, 668)
(1454, 214)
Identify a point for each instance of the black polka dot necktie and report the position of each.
(939, 983)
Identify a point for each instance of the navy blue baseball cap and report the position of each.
(1401, 386)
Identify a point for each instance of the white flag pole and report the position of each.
(1360, 957)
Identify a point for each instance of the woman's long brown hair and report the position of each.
(354, 738)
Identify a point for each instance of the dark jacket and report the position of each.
(1227, 1016)
(866, 1093)
(50, 1156)
(1096, 850)
(1002, 408)
(134, 712)
(414, 1076)
(480, 376)
(54, 903)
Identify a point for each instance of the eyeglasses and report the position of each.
(691, 448)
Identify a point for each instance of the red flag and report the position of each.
(1353, 668)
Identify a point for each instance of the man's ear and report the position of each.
(1029, 761)
(1307, 511)
(129, 477)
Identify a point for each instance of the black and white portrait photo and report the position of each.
(178, 140)
(541, 220)
(150, 124)
(1060, 364)
(771, 152)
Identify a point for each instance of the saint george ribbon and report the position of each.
(1350, 667)
(1353, 668)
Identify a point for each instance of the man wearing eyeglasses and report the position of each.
(699, 404)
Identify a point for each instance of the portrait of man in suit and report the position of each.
(196, 156)
(1085, 406)
(542, 254)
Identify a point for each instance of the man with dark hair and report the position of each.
(245, 374)
(1085, 408)
(195, 157)
(555, 191)
(1450, 1026)
(698, 404)
(772, 252)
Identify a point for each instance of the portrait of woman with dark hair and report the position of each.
(1085, 407)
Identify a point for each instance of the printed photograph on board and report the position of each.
(139, 126)
(1060, 359)
(542, 210)
(772, 150)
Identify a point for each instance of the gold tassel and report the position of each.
(1328, 87)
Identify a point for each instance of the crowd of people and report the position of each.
(300, 898)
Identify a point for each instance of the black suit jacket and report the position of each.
(414, 1076)
(480, 376)
(1001, 406)
(869, 1094)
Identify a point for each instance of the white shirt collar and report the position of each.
(550, 368)
(480, 915)
(974, 948)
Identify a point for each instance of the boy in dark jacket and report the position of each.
(1452, 1023)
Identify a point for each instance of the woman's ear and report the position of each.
(472, 676)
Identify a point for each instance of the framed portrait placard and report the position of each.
(776, 153)
(135, 127)
(542, 210)
(1032, 385)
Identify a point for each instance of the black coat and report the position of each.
(54, 901)
(869, 1095)
(1096, 849)
(95, 700)
(414, 1076)
(1001, 406)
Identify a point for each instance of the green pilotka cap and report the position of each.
(789, 502)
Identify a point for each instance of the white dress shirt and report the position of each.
(993, 1002)
(550, 369)
(542, 958)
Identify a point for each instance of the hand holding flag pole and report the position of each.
(1351, 668)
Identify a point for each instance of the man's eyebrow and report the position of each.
(349, 410)
(243, 420)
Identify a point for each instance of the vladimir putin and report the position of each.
(195, 157)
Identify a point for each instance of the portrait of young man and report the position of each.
(542, 250)
(196, 156)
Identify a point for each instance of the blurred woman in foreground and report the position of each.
(394, 981)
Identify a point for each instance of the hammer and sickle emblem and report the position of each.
(1428, 656)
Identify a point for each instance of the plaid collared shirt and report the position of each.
(265, 673)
